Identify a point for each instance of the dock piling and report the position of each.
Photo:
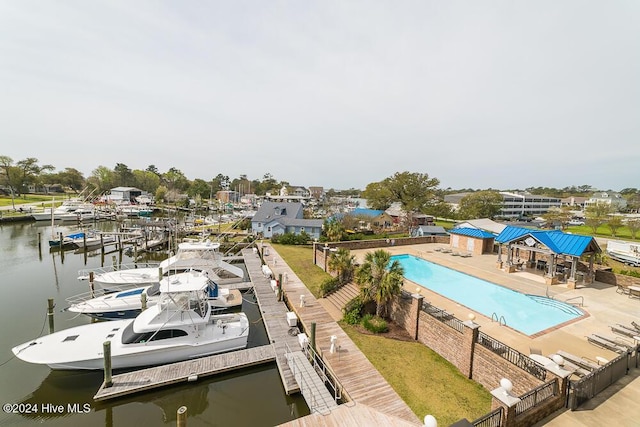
(312, 337)
(106, 349)
(143, 298)
(181, 417)
(50, 306)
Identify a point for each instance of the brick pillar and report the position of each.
(470, 337)
(414, 314)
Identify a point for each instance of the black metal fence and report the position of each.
(537, 396)
(590, 385)
(512, 355)
(492, 419)
(441, 315)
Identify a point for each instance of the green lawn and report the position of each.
(425, 381)
(26, 198)
(602, 231)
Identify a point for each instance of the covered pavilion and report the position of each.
(548, 250)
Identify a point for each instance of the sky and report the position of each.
(333, 93)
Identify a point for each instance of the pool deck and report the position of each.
(618, 403)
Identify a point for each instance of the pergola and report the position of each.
(543, 249)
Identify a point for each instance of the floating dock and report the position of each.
(180, 372)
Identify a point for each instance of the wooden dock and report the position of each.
(274, 315)
(180, 372)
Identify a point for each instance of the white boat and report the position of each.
(64, 210)
(190, 256)
(80, 214)
(180, 327)
(93, 238)
(625, 252)
(127, 304)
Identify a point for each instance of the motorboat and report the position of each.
(201, 255)
(80, 214)
(93, 238)
(126, 304)
(68, 241)
(179, 327)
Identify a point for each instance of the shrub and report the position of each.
(353, 311)
(329, 285)
(632, 273)
(291, 238)
(375, 324)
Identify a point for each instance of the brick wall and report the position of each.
(489, 368)
(442, 339)
(616, 279)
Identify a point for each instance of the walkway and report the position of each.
(189, 370)
(360, 379)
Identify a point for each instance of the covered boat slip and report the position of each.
(554, 252)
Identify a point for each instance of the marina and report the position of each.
(31, 276)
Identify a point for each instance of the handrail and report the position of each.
(496, 317)
(578, 297)
(503, 321)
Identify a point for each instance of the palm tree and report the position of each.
(343, 263)
(380, 279)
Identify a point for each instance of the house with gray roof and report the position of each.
(284, 217)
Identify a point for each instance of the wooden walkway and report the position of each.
(361, 381)
(315, 392)
(274, 315)
(160, 376)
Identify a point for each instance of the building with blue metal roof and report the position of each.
(547, 250)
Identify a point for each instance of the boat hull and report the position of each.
(81, 348)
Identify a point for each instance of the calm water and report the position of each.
(522, 312)
(252, 397)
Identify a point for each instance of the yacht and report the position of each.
(179, 327)
(128, 303)
(202, 255)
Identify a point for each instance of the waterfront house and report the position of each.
(279, 217)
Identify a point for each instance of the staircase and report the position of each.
(342, 296)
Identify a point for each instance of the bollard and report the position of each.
(50, 306)
(106, 350)
(181, 417)
(280, 287)
(312, 337)
(143, 298)
(159, 274)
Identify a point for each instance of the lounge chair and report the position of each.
(635, 325)
(455, 253)
(624, 330)
(578, 361)
(534, 350)
(465, 255)
(618, 342)
(603, 343)
(622, 290)
(438, 249)
(446, 251)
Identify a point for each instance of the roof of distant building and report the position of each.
(472, 232)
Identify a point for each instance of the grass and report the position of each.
(25, 198)
(424, 380)
(300, 259)
(602, 231)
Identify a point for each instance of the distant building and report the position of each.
(615, 200)
(428, 230)
(284, 217)
(125, 194)
(514, 205)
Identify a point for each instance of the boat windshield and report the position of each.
(130, 337)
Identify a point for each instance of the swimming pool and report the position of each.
(528, 314)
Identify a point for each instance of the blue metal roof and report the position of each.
(556, 240)
(472, 232)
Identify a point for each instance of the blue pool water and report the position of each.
(528, 314)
